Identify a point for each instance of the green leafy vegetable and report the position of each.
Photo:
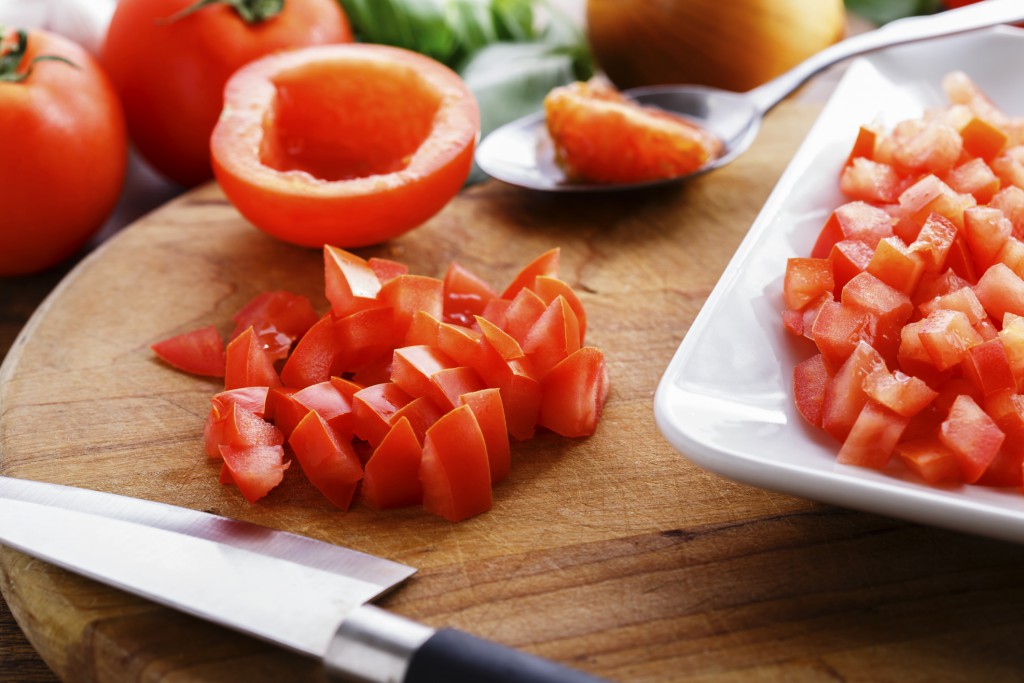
(884, 11)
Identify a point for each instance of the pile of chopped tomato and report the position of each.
(913, 297)
(406, 392)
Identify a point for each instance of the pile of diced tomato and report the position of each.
(913, 298)
(405, 392)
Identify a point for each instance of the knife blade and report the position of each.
(305, 595)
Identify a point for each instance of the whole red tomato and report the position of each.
(170, 59)
(64, 150)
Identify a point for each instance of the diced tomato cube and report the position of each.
(975, 178)
(988, 367)
(413, 366)
(899, 392)
(1001, 291)
(845, 395)
(423, 330)
(806, 280)
(863, 144)
(1009, 166)
(946, 336)
(316, 357)
(451, 383)
(848, 259)
(983, 139)
(889, 306)
(1012, 336)
(871, 181)
(857, 221)
(929, 459)
(386, 269)
(963, 300)
(1010, 200)
(838, 329)
(926, 146)
(972, 435)
(937, 284)
(894, 264)
(934, 242)
(986, 231)
(872, 438)
(930, 195)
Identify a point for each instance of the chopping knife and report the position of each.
(302, 594)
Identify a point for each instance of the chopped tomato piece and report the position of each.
(873, 437)
(929, 459)
(329, 462)
(972, 435)
(894, 264)
(806, 280)
(278, 318)
(553, 337)
(200, 352)
(349, 282)
(454, 469)
(409, 294)
(255, 470)
(899, 392)
(392, 474)
(549, 288)
(490, 415)
(374, 407)
(845, 396)
(545, 264)
(315, 358)
(1001, 291)
(247, 363)
(574, 393)
(465, 295)
(810, 377)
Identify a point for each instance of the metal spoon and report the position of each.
(521, 153)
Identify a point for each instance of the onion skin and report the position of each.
(731, 44)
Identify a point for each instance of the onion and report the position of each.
(731, 44)
(83, 21)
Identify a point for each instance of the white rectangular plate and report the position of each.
(725, 401)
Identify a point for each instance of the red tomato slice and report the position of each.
(392, 476)
(316, 357)
(408, 295)
(200, 352)
(553, 337)
(329, 462)
(374, 408)
(455, 470)
(522, 313)
(548, 288)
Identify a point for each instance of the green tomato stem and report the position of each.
(251, 11)
(12, 57)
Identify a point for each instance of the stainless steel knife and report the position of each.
(320, 602)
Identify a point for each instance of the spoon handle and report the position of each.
(913, 29)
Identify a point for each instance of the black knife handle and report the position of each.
(374, 646)
(451, 656)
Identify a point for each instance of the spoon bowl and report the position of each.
(522, 153)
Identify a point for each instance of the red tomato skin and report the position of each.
(328, 461)
(247, 363)
(171, 74)
(65, 127)
(574, 393)
(392, 474)
(454, 469)
(200, 352)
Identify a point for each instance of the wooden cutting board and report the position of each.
(612, 554)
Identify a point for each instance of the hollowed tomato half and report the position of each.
(348, 144)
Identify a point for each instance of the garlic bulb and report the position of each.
(83, 21)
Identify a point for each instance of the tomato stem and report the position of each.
(251, 11)
(11, 57)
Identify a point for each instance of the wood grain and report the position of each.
(612, 554)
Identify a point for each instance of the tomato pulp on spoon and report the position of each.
(348, 144)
